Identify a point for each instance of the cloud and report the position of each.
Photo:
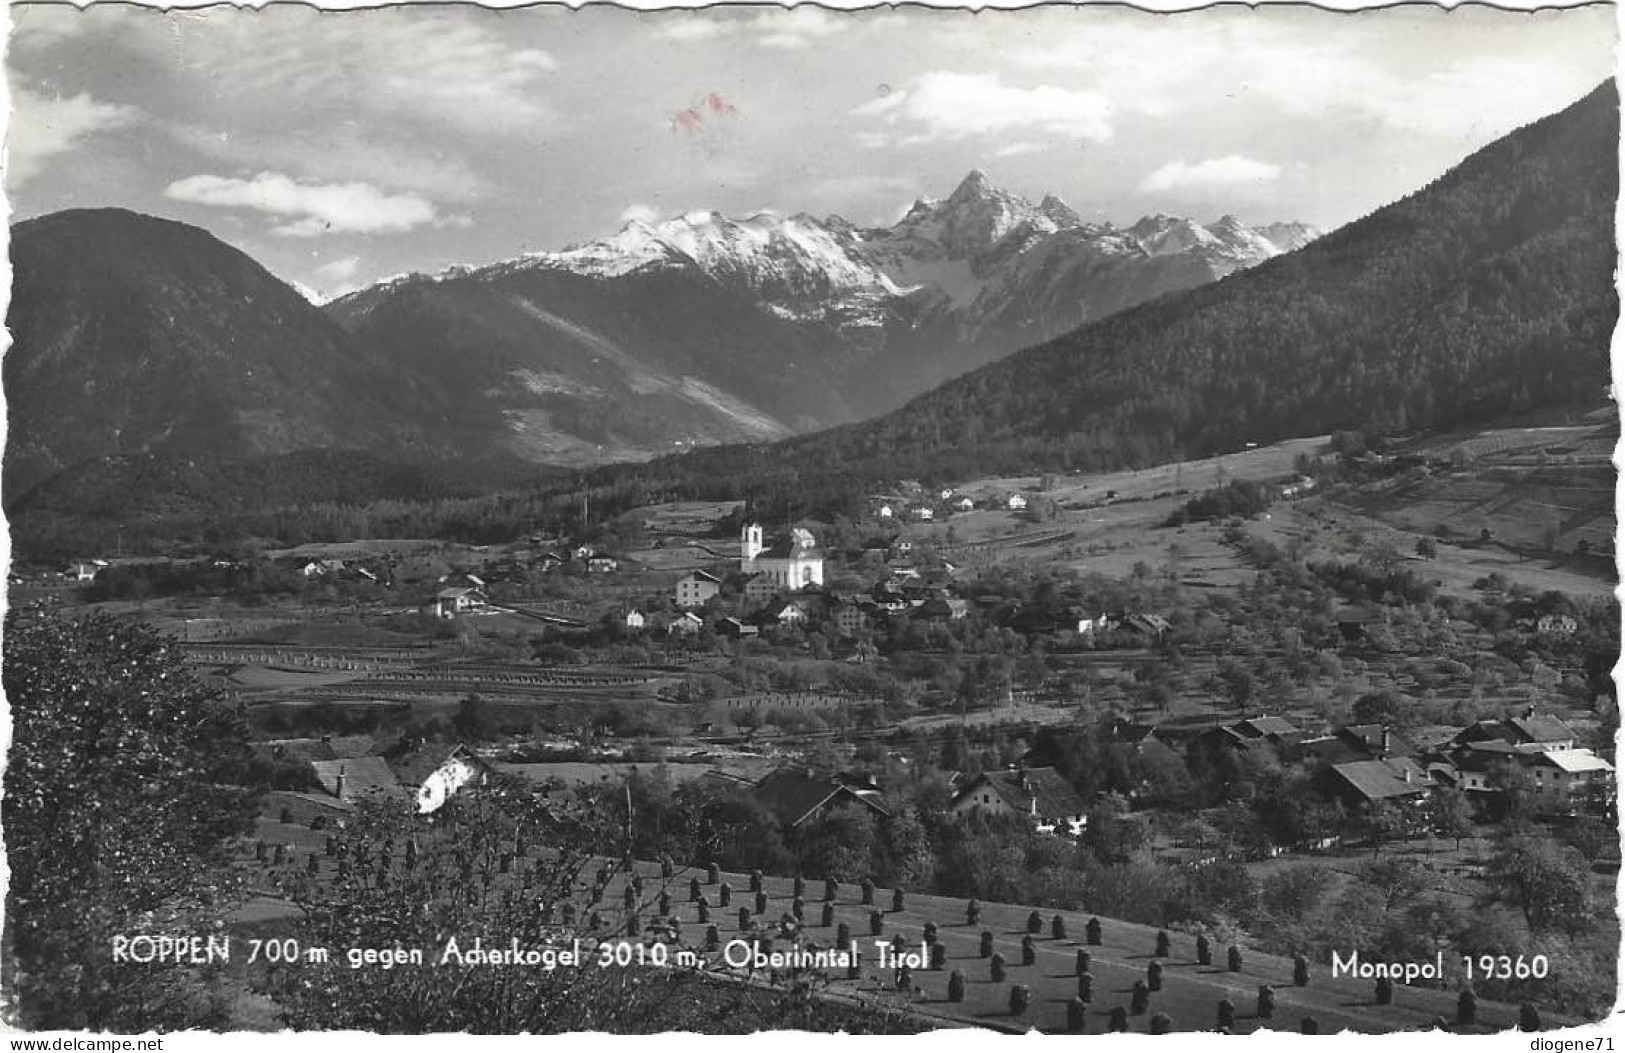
(1018, 149)
(309, 210)
(43, 127)
(1229, 171)
(340, 270)
(691, 29)
(949, 106)
(640, 213)
(797, 29)
(445, 68)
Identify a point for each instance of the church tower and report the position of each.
(750, 544)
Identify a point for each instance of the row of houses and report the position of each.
(1369, 763)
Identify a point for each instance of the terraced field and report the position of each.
(682, 909)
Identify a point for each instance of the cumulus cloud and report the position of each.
(640, 213)
(43, 127)
(1018, 149)
(1230, 171)
(308, 210)
(944, 105)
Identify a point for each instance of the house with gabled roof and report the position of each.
(353, 779)
(797, 795)
(697, 588)
(433, 774)
(1395, 779)
(1039, 795)
(448, 603)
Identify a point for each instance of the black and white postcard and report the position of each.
(1067, 519)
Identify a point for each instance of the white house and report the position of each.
(1040, 795)
(1561, 624)
(686, 624)
(1016, 503)
(634, 620)
(448, 603)
(794, 562)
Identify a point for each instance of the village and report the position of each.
(1102, 673)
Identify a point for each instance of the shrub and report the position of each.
(1035, 923)
(1162, 945)
(1309, 1026)
(868, 888)
(1385, 991)
(877, 923)
(1057, 927)
(1467, 1008)
(1086, 987)
(1076, 1014)
(1139, 998)
(843, 936)
(713, 874)
(939, 956)
(1091, 932)
(986, 949)
(1300, 970)
(1083, 962)
(1266, 1002)
(897, 900)
(1029, 951)
(1235, 958)
(956, 986)
(1162, 1024)
(827, 917)
(725, 895)
(973, 912)
(995, 968)
(761, 903)
(694, 893)
(744, 919)
(1204, 951)
(1227, 1014)
(713, 938)
(1118, 1020)
(1528, 1017)
(1020, 997)
(1153, 976)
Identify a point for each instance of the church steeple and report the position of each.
(750, 542)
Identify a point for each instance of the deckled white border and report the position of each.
(1612, 1028)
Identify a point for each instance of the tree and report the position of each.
(1549, 884)
(473, 722)
(1452, 814)
(120, 805)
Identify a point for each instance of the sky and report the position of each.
(341, 148)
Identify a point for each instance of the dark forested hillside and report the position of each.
(135, 335)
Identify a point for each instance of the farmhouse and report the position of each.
(356, 778)
(602, 565)
(1040, 795)
(1016, 503)
(433, 777)
(733, 627)
(84, 569)
(796, 795)
(1561, 775)
(793, 563)
(686, 624)
(759, 588)
(1366, 782)
(697, 588)
(634, 620)
(449, 603)
(851, 619)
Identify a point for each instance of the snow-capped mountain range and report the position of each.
(705, 328)
(973, 256)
